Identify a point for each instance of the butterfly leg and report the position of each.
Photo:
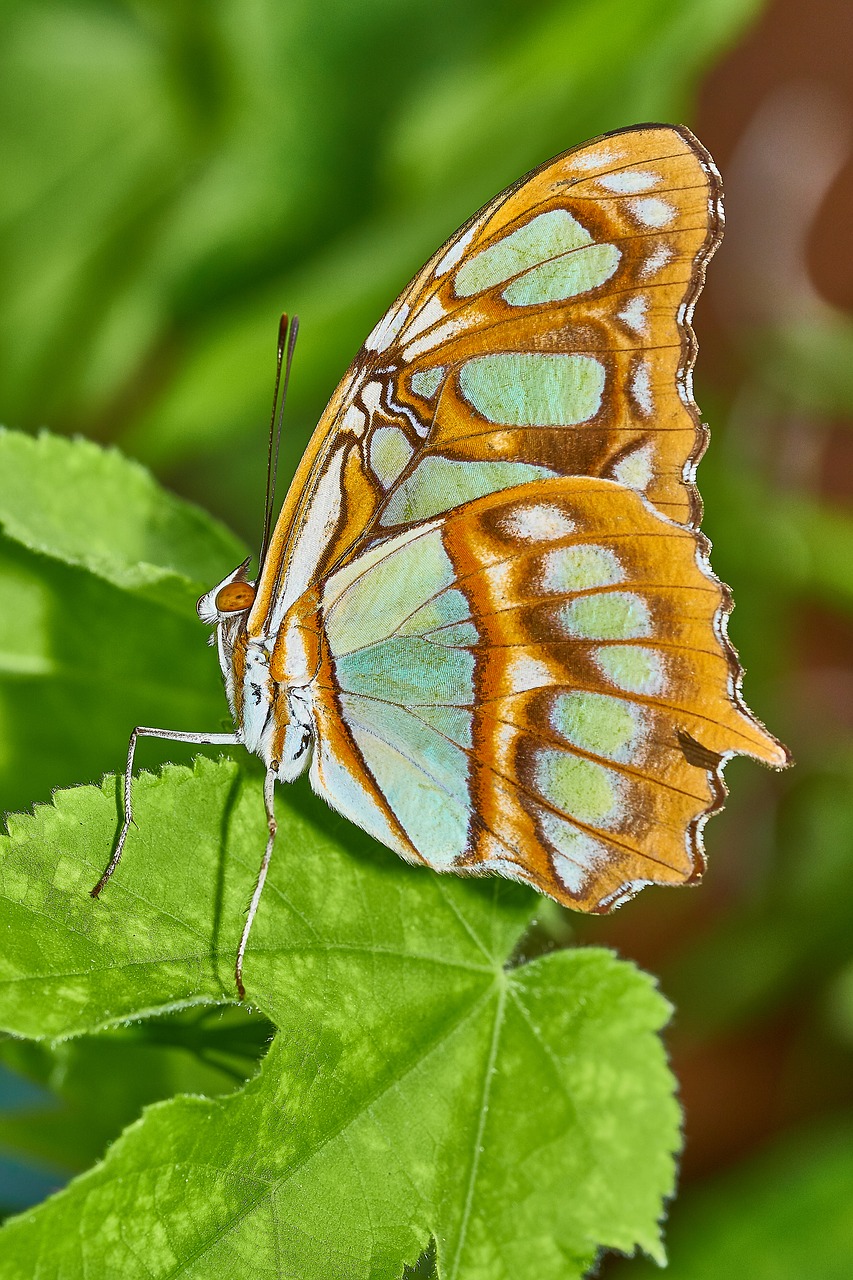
(269, 806)
(173, 735)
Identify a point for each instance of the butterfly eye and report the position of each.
(235, 597)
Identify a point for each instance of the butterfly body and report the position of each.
(485, 621)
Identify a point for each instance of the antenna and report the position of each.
(288, 341)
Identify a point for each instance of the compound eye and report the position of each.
(235, 597)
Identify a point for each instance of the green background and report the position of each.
(176, 175)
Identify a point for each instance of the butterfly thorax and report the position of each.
(267, 674)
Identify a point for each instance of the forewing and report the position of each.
(537, 684)
(550, 336)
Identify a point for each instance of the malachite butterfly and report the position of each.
(486, 624)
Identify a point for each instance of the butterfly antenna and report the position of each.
(286, 342)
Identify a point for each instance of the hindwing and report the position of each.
(537, 684)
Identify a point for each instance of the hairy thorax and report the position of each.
(278, 671)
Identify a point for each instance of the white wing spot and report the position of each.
(430, 340)
(628, 182)
(539, 523)
(641, 388)
(354, 421)
(455, 252)
(380, 338)
(428, 315)
(684, 386)
(635, 469)
(571, 874)
(596, 159)
(371, 397)
(577, 856)
(634, 313)
(652, 212)
(526, 673)
(659, 257)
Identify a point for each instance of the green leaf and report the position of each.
(81, 663)
(99, 572)
(93, 508)
(419, 1083)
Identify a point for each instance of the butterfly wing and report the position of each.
(519, 655)
(536, 684)
(550, 336)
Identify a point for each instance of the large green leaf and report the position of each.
(177, 176)
(94, 509)
(99, 572)
(420, 1086)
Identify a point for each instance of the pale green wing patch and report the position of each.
(439, 484)
(420, 771)
(541, 238)
(527, 389)
(369, 599)
(598, 723)
(405, 696)
(580, 568)
(390, 453)
(585, 790)
(427, 381)
(564, 277)
(632, 668)
(615, 615)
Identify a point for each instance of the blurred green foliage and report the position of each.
(175, 175)
(89, 543)
(781, 1216)
(93, 1086)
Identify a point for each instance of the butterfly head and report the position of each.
(230, 600)
(226, 607)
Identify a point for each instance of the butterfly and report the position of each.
(486, 623)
